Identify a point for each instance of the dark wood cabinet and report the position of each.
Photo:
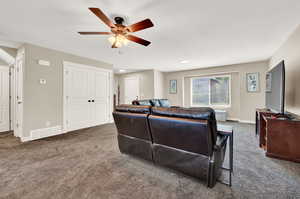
(279, 135)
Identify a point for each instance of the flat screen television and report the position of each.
(275, 88)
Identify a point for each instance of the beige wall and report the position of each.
(290, 53)
(146, 79)
(158, 85)
(243, 104)
(44, 103)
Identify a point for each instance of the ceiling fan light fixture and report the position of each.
(118, 44)
(121, 33)
(118, 40)
(112, 40)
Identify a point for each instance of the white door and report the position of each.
(18, 75)
(77, 96)
(86, 95)
(131, 89)
(100, 101)
(4, 98)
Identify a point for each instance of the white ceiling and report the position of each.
(207, 33)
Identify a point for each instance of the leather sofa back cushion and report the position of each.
(152, 102)
(134, 109)
(132, 124)
(155, 102)
(181, 133)
(144, 102)
(164, 103)
(201, 113)
(191, 113)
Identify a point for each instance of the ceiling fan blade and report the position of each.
(138, 40)
(147, 23)
(95, 33)
(102, 16)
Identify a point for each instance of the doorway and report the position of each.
(131, 89)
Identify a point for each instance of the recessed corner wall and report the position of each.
(290, 53)
(146, 81)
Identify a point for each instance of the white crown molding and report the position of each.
(10, 44)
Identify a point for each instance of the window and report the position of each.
(210, 91)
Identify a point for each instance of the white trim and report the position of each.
(212, 106)
(67, 63)
(212, 74)
(43, 133)
(233, 119)
(25, 139)
(111, 96)
(247, 121)
(12, 97)
(18, 131)
(183, 91)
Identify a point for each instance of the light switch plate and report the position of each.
(43, 81)
(43, 62)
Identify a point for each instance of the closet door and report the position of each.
(77, 96)
(100, 100)
(86, 93)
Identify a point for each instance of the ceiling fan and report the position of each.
(121, 33)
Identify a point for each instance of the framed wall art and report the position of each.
(252, 82)
(173, 86)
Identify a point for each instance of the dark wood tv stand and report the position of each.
(279, 135)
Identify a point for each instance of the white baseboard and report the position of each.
(25, 139)
(247, 121)
(43, 133)
(233, 119)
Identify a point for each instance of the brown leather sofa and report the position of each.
(179, 138)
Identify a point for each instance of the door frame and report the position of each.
(67, 64)
(6, 67)
(138, 86)
(18, 99)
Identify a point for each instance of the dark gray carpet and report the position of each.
(87, 164)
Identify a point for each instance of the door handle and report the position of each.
(19, 102)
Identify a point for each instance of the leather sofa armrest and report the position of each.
(217, 159)
(221, 141)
